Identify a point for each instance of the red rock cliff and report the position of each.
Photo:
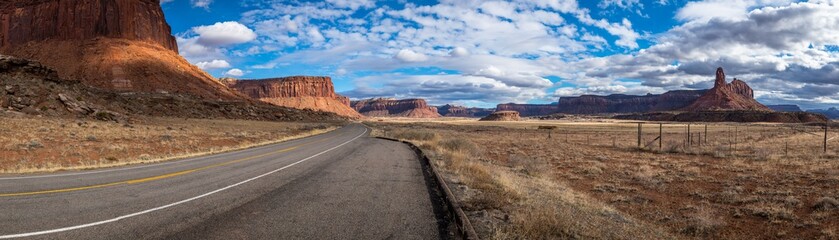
(618, 103)
(528, 110)
(23, 21)
(386, 107)
(302, 92)
(449, 110)
(122, 45)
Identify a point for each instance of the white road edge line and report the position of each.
(146, 166)
(175, 203)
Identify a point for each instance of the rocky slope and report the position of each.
(503, 116)
(123, 45)
(301, 92)
(785, 108)
(28, 87)
(388, 107)
(736, 95)
(449, 110)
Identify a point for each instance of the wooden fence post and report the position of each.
(660, 136)
(706, 134)
(825, 138)
(690, 140)
(639, 135)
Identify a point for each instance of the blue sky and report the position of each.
(480, 53)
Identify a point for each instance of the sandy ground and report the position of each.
(35, 144)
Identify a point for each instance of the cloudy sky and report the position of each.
(480, 53)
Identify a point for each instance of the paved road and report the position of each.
(339, 185)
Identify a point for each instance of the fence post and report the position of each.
(660, 136)
(825, 138)
(735, 140)
(639, 135)
(706, 134)
(690, 139)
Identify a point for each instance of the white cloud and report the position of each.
(234, 72)
(224, 33)
(200, 3)
(214, 64)
(408, 55)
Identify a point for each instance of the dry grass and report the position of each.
(32, 144)
(590, 181)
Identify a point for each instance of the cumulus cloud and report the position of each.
(214, 64)
(235, 72)
(224, 33)
(408, 55)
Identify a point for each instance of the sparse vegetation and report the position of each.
(32, 144)
(589, 180)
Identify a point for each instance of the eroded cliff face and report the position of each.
(503, 116)
(387, 107)
(590, 104)
(122, 45)
(301, 92)
(528, 110)
(449, 110)
(23, 21)
(736, 95)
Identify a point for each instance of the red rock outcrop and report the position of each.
(736, 95)
(619, 103)
(122, 45)
(503, 116)
(23, 21)
(449, 110)
(388, 107)
(301, 92)
(528, 110)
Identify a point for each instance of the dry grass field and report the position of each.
(33, 144)
(590, 181)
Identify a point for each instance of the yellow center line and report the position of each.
(155, 178)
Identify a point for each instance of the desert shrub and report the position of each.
(826, 204)
(703, 224)
(415, 135)
(530, 166)
(771, 211)
(458, 145)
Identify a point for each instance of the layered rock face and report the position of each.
(23, 21)
(301, 92)
(736, 95)
(449, 110)
(122, 45)
(503, 116)
(618, 103)
(388, 107)
(528, 110)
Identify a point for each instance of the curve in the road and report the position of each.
(70, 228)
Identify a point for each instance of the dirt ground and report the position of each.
(589, 179)
(36, 144)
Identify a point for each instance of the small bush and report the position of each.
(457, 144)
(826, 204)
(416, 135)
(530, 166)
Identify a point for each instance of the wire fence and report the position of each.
(718, 139)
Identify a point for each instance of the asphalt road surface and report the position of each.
(338, 185)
